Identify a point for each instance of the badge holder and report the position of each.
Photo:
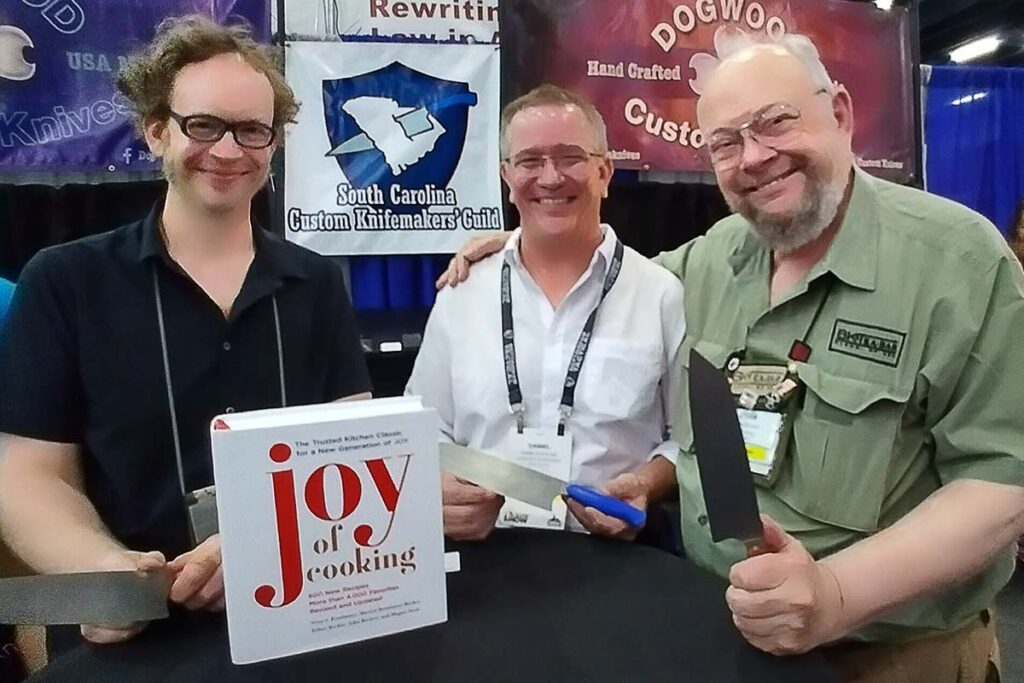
(202, 514)
(545, 452)
(766, 397)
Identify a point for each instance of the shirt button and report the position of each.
(227, 346)
(229, 409)
(702, 520)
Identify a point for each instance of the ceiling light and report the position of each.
(884, 5)
(969, 98)
(975, 49)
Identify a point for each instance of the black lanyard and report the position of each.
(800, 350)
(167, 373)
(515, 393)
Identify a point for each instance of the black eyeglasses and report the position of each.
(209, 128)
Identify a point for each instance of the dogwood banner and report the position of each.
(643, 64)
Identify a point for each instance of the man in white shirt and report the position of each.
(495, 359)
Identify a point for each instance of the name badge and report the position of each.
(547, 453)
(765, 398)
(762, 434)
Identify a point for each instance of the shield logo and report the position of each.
(396, 125)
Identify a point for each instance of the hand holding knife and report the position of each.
(782, 600)
(530, 486)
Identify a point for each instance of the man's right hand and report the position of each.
(469, 510)
(469, 253)
(122, 561)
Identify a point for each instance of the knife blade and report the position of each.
(729, 498)
(529, 486)
(120, 597)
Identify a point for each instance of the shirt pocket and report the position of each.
(621, 377)
(843, 442)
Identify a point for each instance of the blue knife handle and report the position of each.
(613, 507)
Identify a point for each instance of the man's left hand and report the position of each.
(783, 602)
(628, 488)
(198, 577)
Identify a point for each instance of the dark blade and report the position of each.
(86, 598)
(722, 456)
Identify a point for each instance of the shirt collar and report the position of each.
(602, 255)
(853, 255)
(272, 257)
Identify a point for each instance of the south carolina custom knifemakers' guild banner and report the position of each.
(59, 109)
(396, 147)
(643, 64)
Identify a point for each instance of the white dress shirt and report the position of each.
(619, 418)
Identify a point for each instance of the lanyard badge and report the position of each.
(201, 504)
(765, 396)
(544, 452)
(534, 448)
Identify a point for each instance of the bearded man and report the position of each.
(894, 491)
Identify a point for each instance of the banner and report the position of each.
(396, 147)
(642, 63)
(59, 109)
(452, 21)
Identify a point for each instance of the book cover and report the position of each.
(330, 523)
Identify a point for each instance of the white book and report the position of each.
(330, 524)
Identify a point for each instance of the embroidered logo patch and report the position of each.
(868, 342)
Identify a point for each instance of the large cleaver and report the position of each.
(530, 486)
(729, 496)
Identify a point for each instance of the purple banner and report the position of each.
(59, 109)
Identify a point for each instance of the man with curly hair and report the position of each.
(121, 347)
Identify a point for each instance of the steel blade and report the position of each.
(729, 498)
(501, 476)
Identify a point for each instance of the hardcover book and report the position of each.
(330, 523)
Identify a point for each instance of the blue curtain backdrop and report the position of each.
(394, 282)
(974, 129)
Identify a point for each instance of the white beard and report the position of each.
(784, 234)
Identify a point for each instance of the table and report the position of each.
(530, 606)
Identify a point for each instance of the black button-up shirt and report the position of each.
(81, 362)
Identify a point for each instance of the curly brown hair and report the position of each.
(147, 79)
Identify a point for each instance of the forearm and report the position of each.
(950, 537)
(659, 478)
(48, 522)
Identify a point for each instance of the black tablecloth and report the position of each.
(527, 606)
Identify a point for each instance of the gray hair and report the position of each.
(732, 43)
(545, 95)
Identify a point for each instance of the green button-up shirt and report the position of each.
(916, 377)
